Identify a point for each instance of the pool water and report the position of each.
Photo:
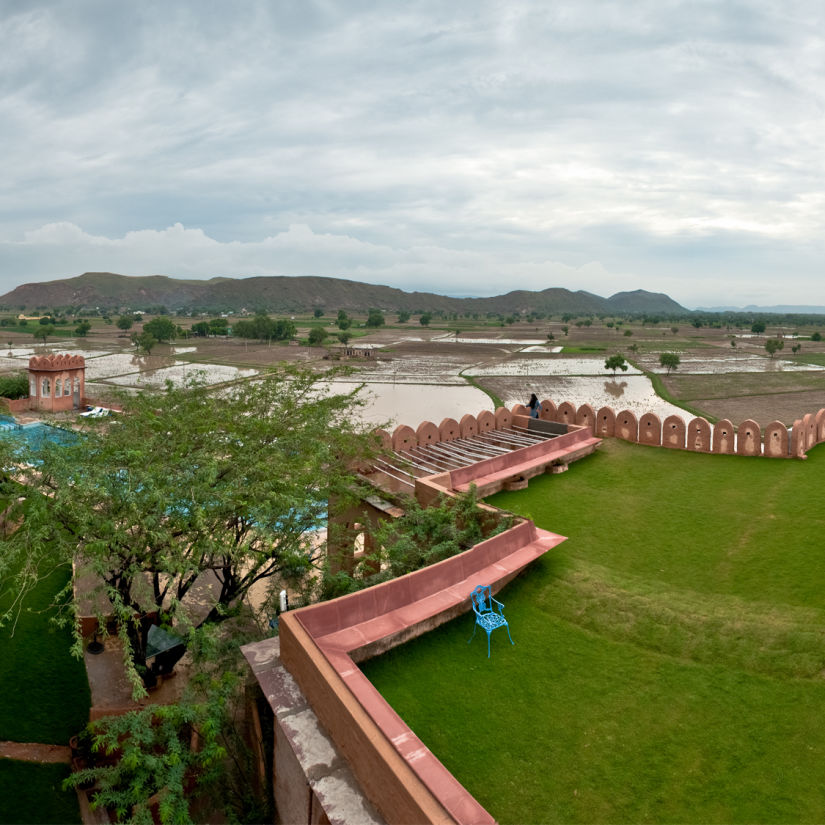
(32, 436)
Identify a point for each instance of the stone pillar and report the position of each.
(673, 432)
(698, 436)
(585, 417)
(776, 440)
(627, 427)
(723, 437)
(749, 438)
(548, 411)
(566, 413)
(605, 423)
(650, 430)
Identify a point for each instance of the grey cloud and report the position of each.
(534, 132)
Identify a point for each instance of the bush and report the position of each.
(14, 386)
(422, 536)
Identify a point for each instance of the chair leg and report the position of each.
(488, 644)
(475, 625)
(508, 633)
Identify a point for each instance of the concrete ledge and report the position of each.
(313, 781)
(319, 646)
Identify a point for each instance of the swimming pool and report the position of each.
(32, 436)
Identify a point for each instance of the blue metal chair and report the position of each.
(484, 606)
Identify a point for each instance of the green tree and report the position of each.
(403, 316)
(817, 336)
(615, 362)
(156, 757)
(317, 336)
(425, 319)
(344, 323)
(758, 327)
(144, 341)
(318, 312)
(565, 329)
(14, 386)
(125, 322)
(669, 360)
(162, 328)
(218, 326)
(200, 329)
(375, 318)
(183, 487)
(41, 333)
(82, 328)
(773, 345)
(264, 328)
(344, 337)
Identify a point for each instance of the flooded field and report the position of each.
(632, 392)
(419, 374)
(530, 367)
(518, 342)
(412, 404)
(734, 363)
(180, 373)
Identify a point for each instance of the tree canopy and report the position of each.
(670, 360)
(264, 328)
(615, 362)
(161, 328)
(187, 483)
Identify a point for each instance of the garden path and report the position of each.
(35, 752)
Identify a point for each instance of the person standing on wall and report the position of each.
(533, 406)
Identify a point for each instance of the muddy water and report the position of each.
(545, 367)
(179, 373)
(627, 392)
(413, 403)
(730, 364)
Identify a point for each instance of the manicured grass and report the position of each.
(668, 659)
(45, 693)
(32, 793)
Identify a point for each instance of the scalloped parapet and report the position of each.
(56, 363)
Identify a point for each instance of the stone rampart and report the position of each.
(698, 435)
(675, 432)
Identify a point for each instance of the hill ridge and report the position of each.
(301, 293)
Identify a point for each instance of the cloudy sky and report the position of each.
(466, 148)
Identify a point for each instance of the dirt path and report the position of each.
(35, 752)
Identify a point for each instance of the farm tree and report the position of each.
(186, 482)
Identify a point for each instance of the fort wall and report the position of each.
(749, 438)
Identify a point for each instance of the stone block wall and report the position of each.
(697, 435)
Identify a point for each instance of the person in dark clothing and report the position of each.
(533, 406)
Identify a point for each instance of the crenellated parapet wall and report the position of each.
(675, 432)
(696, 434)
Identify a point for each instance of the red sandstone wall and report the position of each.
(698, 435)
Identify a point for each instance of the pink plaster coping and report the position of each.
(492, 472)
(345, 628)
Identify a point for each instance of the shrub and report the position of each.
(14, 386)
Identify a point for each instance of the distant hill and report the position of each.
(790, 309)
(281, 294)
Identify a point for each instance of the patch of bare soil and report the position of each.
(763, 409)
(744, 384)
(35, 752)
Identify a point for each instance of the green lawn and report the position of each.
(32, 793)
(45, 695)
(668, 659)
